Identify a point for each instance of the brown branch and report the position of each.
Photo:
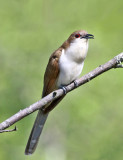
(113, 63)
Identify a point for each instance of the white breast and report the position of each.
(71, 63)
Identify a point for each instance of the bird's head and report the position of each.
(80, 36)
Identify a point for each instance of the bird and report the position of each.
(64, 66)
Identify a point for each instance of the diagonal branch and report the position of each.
(113, 63)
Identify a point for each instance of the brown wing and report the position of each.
(50, 81)
(52, 73)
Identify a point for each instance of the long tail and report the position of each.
(38, 127)
(36, 132)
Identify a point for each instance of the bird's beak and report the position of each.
(88, 36)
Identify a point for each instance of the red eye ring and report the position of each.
(77, 35)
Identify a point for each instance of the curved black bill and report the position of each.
(88, 36)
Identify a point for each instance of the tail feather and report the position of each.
(38, 127)
(36, 132)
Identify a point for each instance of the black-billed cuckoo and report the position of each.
(64, 67)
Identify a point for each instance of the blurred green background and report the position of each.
(87, 124)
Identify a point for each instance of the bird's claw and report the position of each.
(75, 83)
(64, 89)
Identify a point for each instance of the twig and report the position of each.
(10, 130)
(113, 63)
(119, 66)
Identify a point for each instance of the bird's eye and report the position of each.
(77, 35)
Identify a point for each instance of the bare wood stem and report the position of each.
(10, 130)
(113, 63)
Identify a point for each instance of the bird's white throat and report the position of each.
(71, 62)
(77, 50)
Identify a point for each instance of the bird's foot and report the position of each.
(75, 83)
(64, 89)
